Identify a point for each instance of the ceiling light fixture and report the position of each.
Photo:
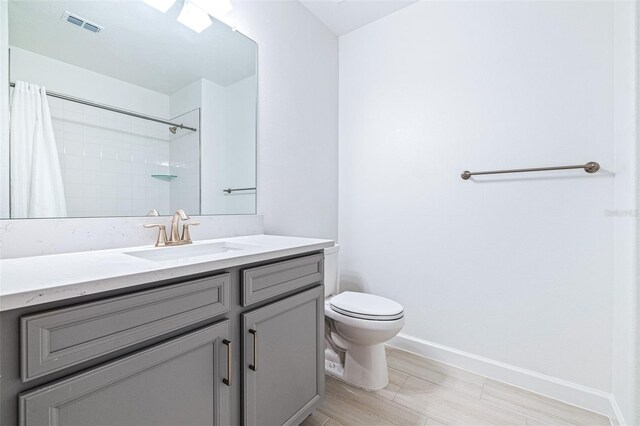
(194, 17)
(161, 5)
(216, 8)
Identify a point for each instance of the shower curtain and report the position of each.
(37, 189)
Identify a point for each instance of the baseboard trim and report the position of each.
(617, 416)
(571, 393)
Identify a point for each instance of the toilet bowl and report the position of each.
(357, 325)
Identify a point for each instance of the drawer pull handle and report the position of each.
(254, 367)
(227, 381)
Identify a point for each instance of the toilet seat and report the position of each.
(366, 306)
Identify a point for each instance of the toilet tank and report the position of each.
(331, 270)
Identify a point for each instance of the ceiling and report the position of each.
(139, 44)
(343, 16)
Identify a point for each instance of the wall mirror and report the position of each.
(142, 112)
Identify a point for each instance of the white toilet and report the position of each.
(357, 325)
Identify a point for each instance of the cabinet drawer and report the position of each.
(265, 282)
(54, 340)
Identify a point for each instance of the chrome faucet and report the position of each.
(174, 237)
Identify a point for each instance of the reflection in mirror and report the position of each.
(140, 113)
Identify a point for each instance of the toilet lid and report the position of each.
(366, 306)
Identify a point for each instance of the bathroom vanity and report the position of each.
(233, 337)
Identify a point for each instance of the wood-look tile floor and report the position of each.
(422, 391)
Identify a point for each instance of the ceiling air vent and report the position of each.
(81, 22)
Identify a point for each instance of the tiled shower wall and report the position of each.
(107, 160)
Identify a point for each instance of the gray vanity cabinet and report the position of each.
(283, 366)
(244, 345)
(179, 382)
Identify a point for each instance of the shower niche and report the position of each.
(135, 119)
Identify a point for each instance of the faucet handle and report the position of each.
(186, 235)
(162, 233)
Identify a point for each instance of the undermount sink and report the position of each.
(160, 254)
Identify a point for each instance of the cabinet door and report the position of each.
(284, 359)
(179, 382)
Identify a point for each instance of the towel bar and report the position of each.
(590, 167)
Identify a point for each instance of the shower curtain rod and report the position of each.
(114, 109)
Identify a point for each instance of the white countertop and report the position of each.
(29, 281)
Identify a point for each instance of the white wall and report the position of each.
(229, 146)
(58, 76)
(228, 143)
(517, 269)
(625, 294)
(186, 99)
(4, 109)
(297, 116)
(214, 142)
(240, 155)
